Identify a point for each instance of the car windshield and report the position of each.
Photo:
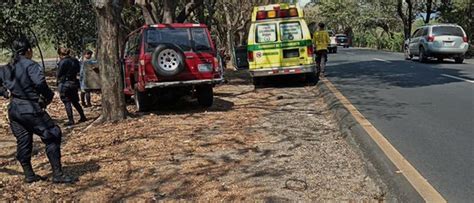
(177, 36)
(447, 30)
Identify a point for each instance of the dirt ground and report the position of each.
(275, 144)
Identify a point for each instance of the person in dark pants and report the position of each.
(321, 42)
(30, 95)
(68, 84)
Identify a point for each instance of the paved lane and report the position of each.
(425, 110)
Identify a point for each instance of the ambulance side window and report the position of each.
(291, 31)
(266, 33)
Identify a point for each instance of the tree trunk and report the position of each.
(169, 9)
(406, 18)
(229, 34)
(188, 9)
(429, 4)
(113, 100)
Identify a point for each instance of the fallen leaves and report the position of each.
(247, 146)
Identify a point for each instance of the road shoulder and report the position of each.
(399, 187)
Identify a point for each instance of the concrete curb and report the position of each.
(399, 189)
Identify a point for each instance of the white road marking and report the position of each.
(377, 59)
(458, 78)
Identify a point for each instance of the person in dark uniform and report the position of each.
(68, 84)
(30, 95)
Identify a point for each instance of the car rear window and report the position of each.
(447, 30)
(177, 36)
(266, 33)
(201, 40)
(291, 31)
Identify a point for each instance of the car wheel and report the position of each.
(205, 95)
(168, 60)
(142, 100)
(459, 60)
(257, 81)
(422, 56)
(312, 78)
(408, 56)
(335, 50)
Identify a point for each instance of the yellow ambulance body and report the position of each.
(279, 42)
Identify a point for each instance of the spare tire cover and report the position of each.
(168, 60)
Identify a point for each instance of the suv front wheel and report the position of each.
(205, 95)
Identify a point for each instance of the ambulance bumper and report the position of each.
(283, 70)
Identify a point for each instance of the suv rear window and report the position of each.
(291, 31)
(447, 30)
(178, 36)
(200, 40)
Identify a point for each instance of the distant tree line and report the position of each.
(385, 24)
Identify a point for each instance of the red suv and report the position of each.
(170, 60)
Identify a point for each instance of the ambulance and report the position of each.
(279, 43)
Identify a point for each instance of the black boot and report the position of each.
(70, 116)
(80, 111)
(30, 175)
(60, 177)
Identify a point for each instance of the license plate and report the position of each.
(205, 67)
(449, 44)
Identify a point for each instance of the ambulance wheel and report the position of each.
(311, 78)
(257, 81)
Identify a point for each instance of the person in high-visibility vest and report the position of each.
(321, 42)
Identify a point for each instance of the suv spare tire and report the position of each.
(168, 60)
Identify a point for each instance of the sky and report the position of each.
(303, 2)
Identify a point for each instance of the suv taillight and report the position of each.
(431, 38)
(465, 39)
(250, 55)
(310, 51)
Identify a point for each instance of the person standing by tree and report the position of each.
(321, 42)
(30, 95)
(68, 84)
(85, 92)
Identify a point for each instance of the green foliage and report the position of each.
(65, 23)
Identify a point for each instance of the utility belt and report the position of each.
(68, 79)
(24, 98)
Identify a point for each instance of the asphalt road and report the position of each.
(425, 110)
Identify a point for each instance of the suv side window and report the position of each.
(417, 33)
(425, 32)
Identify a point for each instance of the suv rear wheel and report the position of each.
(142, 100)
(168, 60)
(205, 95)
(459, 59)
(422, 56)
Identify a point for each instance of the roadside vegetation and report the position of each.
(386, 24)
